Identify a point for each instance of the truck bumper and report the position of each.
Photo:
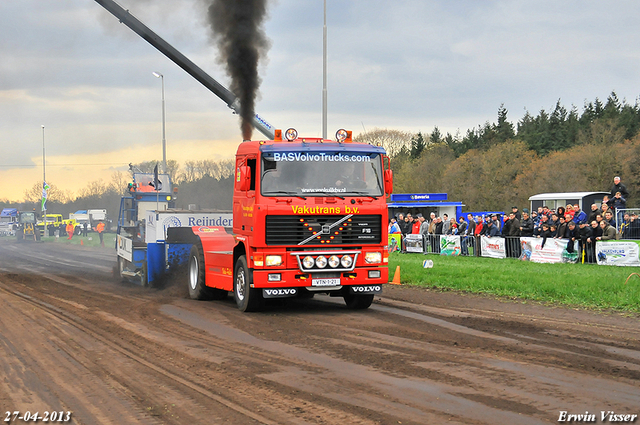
(296, 279)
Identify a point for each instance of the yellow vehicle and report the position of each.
(55, 222)
(26, 229)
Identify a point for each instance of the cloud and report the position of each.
(410, 64)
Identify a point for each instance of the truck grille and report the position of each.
(351, 229)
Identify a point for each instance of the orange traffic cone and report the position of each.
(81, 242)
(396, 277)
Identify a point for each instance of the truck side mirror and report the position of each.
(388, 181)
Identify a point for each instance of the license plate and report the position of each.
(325, 282)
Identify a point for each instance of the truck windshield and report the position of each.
(321, 174)
(27, 218)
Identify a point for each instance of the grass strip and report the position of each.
(578, 285)
(92, 240)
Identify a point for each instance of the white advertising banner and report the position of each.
(450, 245)
(414, 243)
(618, 253)
(492, 247)
(159, 221)
(549, 250)
(124, 248)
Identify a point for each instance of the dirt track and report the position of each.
(72, 338)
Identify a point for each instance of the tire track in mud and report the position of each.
(42, 374)
(84, 329)
(298, 410)
(417, 361)
(322, 372)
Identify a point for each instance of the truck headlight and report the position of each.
(321, 261)
(346, 261)
(373, 257)
(334, 261)
(308, 262)
(273, 260)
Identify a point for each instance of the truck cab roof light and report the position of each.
(291, 134)
(343, 136)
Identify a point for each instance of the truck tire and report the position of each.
(358, 302)
(195, 277)
(247, 298)
(143, 275)
(122, 265)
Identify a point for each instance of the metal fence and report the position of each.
(628, 229)
(471, 246)
(431, 244)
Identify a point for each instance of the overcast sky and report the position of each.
(406, 64)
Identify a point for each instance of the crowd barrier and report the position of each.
(537, 250)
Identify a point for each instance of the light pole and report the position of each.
(164, 141)
(324, 73)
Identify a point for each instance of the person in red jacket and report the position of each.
(479, 226)
(415, 226)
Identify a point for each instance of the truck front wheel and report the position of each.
(358, 302)
(247, 298)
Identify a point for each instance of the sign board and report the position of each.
(395, 241)
(450, 245)
(158, 222)
(618, 253)
(124, 248)
(548, 250)
(414, 243)
(408, 197)
(492, 247)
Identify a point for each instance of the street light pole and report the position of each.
(164, 140)
(44, 173)
(324, 73)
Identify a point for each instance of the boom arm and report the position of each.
(183, 62)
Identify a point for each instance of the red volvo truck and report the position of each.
(309, 216)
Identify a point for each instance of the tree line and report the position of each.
(207, 184)
(498, 165)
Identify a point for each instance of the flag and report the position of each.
(156, 183)
(45, 187)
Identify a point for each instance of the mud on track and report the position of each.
(73, 338)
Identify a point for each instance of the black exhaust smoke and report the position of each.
(238, 30)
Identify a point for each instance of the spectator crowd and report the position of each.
(605, 221)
